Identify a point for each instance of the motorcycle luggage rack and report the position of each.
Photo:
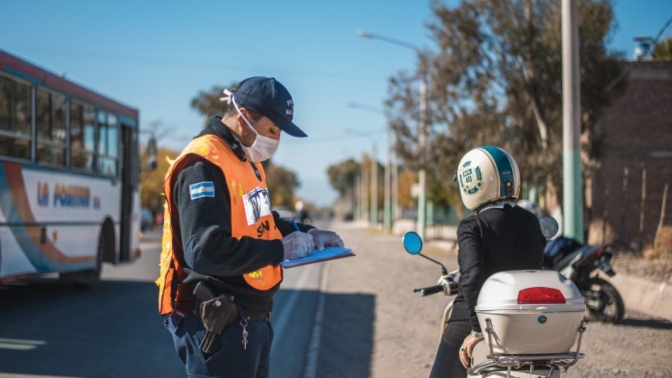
(510, 362)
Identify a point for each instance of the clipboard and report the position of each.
(329, 253)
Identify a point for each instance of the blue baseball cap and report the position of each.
(268, 97)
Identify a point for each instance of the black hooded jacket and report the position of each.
(494, 240)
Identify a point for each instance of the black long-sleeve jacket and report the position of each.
(492, 241)
(204, 230)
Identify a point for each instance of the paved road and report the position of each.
(48, 329)
(355, 317)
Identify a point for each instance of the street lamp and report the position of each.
(389, 204)
(374, 178)
(422, 181)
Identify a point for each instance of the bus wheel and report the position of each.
(87, 279)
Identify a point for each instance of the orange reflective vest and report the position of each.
(250, 216)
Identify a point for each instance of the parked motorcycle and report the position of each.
(581, 264)
(530, 318)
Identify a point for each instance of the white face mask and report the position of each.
(263, 147)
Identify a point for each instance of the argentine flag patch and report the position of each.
(201, 190)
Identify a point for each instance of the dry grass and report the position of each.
(663, 245)
(657, 270)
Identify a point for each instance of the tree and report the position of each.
(342, 175)
(496, 79)
(281, 184)
(210, 103)
(663, 49)
(151, 182)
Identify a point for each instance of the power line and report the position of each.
(632, 66)
(187, 64)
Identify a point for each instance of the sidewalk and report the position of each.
(639, 294)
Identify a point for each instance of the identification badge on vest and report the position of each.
(257, 204)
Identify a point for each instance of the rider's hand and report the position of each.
(467, 349)
(297, 244)
(325, 239)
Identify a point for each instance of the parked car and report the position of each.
(146, 219)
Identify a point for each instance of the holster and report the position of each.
(216, 312)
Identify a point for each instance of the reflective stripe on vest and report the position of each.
(250, 216)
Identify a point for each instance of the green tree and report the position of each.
(342, 175)
(281, 184)
(663, 49)
(281, 181)
(209, 103)
(496, 78)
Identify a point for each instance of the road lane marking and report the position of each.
(314, 346)
(20, 344)
(280, 323)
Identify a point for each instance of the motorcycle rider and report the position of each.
(499, 236)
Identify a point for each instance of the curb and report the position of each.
(651, 298)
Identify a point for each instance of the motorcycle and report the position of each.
(581, 264)
(530, 318)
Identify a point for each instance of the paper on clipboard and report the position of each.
(329, 253)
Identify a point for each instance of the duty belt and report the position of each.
(203, 293)
(190, 307)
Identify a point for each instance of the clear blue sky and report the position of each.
(157, 55)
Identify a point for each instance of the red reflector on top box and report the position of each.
(540, 295)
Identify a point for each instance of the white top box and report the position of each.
(531, 311)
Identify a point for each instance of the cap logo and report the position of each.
(290, 107)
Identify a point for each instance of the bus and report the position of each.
(69, 177)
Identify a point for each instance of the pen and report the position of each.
(296, 226)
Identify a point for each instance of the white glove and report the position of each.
(325, 239)
(297, 244)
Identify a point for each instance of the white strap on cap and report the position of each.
(228, 97)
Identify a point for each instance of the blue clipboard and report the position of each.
(329, 253)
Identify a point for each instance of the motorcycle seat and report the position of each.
(562, 263)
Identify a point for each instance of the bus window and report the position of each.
(82, 136)
(14, 118)
(108, 144)
(51, 129)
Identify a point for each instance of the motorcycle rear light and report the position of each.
(596, 254)
(540, 295)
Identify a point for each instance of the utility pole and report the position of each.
(387, 206)
(388, 178)
(364, 191)
(422, 182)
(374, 187)
(422, 178)
(572, 187)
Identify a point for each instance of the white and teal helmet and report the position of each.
(487, 174)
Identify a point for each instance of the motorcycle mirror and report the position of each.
(549, 226)
(412, 243)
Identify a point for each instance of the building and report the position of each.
(629, 196)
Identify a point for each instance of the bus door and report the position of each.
(129, 187)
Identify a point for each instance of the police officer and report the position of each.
(221, 234)
(499, 236)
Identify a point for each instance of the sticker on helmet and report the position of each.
(471, 179)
